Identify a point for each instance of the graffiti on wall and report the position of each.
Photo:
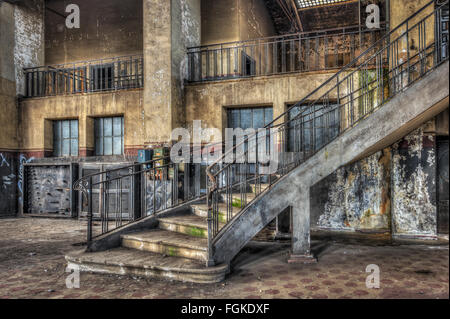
(7, 184)
(22, 161)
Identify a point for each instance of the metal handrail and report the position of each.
(281, 54)
(116, 73)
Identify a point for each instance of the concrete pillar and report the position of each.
(169, 28)
(301, 241)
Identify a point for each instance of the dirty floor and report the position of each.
(32, 265)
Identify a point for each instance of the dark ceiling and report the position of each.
(320, 17)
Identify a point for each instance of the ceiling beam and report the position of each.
(297, 16)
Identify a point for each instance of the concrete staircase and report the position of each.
(176, 248)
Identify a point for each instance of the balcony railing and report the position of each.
(301, 52)
(84, 77)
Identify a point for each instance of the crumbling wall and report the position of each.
(414, 210)
(355, 197)
(29, 38)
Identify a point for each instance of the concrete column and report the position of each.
(301, 252)
(170, 26)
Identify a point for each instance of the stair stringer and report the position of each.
(404, 113)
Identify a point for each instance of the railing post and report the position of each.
(210, 261)
(90, 215)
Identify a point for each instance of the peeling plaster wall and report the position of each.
(29, 37)
(414, 210)
(107, 29)
(355, 197)
(186, 32)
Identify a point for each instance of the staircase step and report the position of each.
(201, 210)
(256, 188)
(167, 243)
(191, 225)
(237, 202)
(132, 262)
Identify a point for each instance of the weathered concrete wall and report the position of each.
(414, 209)
(8, 106)
(107, 29)
(215, 16)
(36, 115)
(254, 20)
(29, 48)
(166, 24)
(400, 10)
(355, 197)
(209, 102)
(235, 20)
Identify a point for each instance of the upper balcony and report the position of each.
(111, 74)
(301, 52)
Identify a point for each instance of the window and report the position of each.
(109, 136)
(102, 77)
(248, 65)
(65, 138)
(249, 117)
(312, 127)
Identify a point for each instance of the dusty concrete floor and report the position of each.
(32, 266)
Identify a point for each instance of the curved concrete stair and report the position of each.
(167, 243)
(201, 210)
(124, 261)
(191, 225)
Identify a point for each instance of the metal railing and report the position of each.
(392, 64)
(152, 187)
(110, 74)
(300, 52)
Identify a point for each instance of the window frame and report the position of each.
(58, 140)
(99, 125)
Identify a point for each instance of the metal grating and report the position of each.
(314, 3)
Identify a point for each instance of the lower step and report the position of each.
(167, 243)
(123, 261)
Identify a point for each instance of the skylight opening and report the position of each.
(314, 3)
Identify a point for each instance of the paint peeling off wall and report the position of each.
(355, 197)
(29, 38)
(190, 30)
(414, 185)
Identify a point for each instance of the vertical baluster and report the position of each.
(292, 56)
(89, 213)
